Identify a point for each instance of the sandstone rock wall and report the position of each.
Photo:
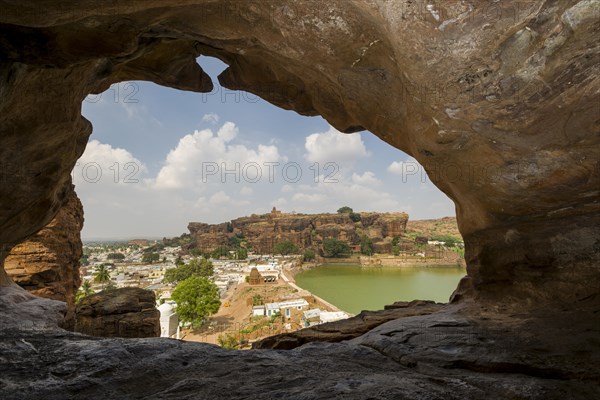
(263, 232)
(125, 312)
(47, 264)
(497, 100)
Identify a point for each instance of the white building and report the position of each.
(169, 320)
(332, 316)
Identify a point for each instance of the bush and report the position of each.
(115, 256)
(355, 217)
(284, 248)
(345, 210)
(309, 255)
(228, 341)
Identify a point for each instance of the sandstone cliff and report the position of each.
(47, 264)
(263, 232)
(125, 312)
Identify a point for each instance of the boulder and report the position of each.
(125, 312)
(47, 264)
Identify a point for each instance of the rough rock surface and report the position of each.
(125, 312)
(499, 101)
(263, 232)
(453, 353)
(47, 264)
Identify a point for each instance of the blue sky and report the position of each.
(159, 158)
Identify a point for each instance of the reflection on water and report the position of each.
(353, 288)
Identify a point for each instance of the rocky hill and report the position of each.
(262, 232)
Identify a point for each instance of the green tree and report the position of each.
(395, 240)
(366, 245)
(150, 258)
(85, 291)
(333, 248)
(355, 217)
(242, 253)
(196, 267)
(220, 252)
(286, 247)
(345, 210)
(115, 256)
(396, 250)
(309, 255)
(197, 298)
(179, 261)
(102, 274)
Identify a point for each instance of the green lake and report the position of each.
(353, 288)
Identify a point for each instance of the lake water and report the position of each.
(353, 288)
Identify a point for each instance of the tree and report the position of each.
(366, 245)
(149, 258)
(309, 255)
(115, 256)
(102, 275)
(196, 298)
(286, 247)
(345, 210)
(334, 248)
(242, 253)
(395, 240)
(196, 267)
(85, 291)
(179, 261)
(355, 217)
(219, 252)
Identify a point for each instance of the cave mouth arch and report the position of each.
(526, 85)
(123, 92)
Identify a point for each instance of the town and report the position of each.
(257, 298)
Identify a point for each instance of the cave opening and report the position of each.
(242, 156)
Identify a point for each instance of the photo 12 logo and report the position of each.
(254, 172)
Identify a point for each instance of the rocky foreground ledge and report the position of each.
(545, 353)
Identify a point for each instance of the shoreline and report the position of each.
(292, 283)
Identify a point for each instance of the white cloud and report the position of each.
(104, 164)
(223, 199)
(367, 179)
(228, 132)
(308, 198)
(204, 156)
(402, 167)
(211, 118)
(287, 188)
(334, 146)
(246, 191)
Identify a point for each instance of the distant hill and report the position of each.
(262, 232)
(433, 228)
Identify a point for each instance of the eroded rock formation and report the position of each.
(497, 100)
(47, 264)
(125, 312)
(263, 232)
